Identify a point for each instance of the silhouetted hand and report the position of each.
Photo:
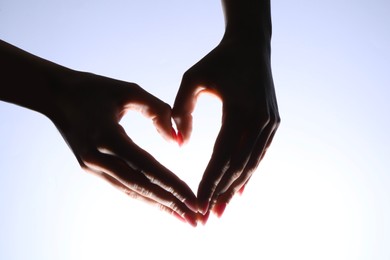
(88, 110)
(239, 73)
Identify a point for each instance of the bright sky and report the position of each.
(322, 192)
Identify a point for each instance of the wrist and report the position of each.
(248, 20)
(30, 81)
(57, 85)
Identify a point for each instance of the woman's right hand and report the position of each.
(87, 111)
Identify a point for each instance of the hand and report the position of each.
(239, 73)
(87, 111)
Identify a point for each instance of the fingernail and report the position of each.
(174, 136)
(241, 191)
(219, 209)
(203, 207)
(203, 218)
(191, 205)
(191, 219)
(179, 138)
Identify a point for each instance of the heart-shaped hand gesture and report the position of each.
(87, 108)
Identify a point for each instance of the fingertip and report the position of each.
(173, 134)
(192, 205)
(241, 190)
(179, 138)
(167, 135)
(183, 107)
(204, 197)
(163, 123)
(219, 209)
(204, 218)
(192, 219)
(204, 207)
(184, 128)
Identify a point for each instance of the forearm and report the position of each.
(28, 80)
(248, 19)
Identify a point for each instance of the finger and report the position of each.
(248, 149)
(239, 160)
(119, 186)
(122, 146)
(152, 108)
(184, 105)
(162, 119)
(226, 144)
(262, 146)
(267, 146)
(138, 185)
(251, 166)
(242, 189)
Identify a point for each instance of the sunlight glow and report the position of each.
(321, 192)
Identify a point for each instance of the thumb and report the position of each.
(152, 108)
(183, 107)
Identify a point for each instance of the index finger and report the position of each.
(138, 185)
(226, 144)
(138, 159)
(184, 105)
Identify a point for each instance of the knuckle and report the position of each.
(268, 119)
(237, 173)
(87, 160)
(142, 191)
(274, 123)
(172, 205)
(261, 120)
(165, 108)
(278, 121)
(274, 119)
(252, 168)
(131, 194)
(85, 167)
(188, 75)
(186, 79)
(161, 207)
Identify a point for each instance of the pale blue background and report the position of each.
(322, 192)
